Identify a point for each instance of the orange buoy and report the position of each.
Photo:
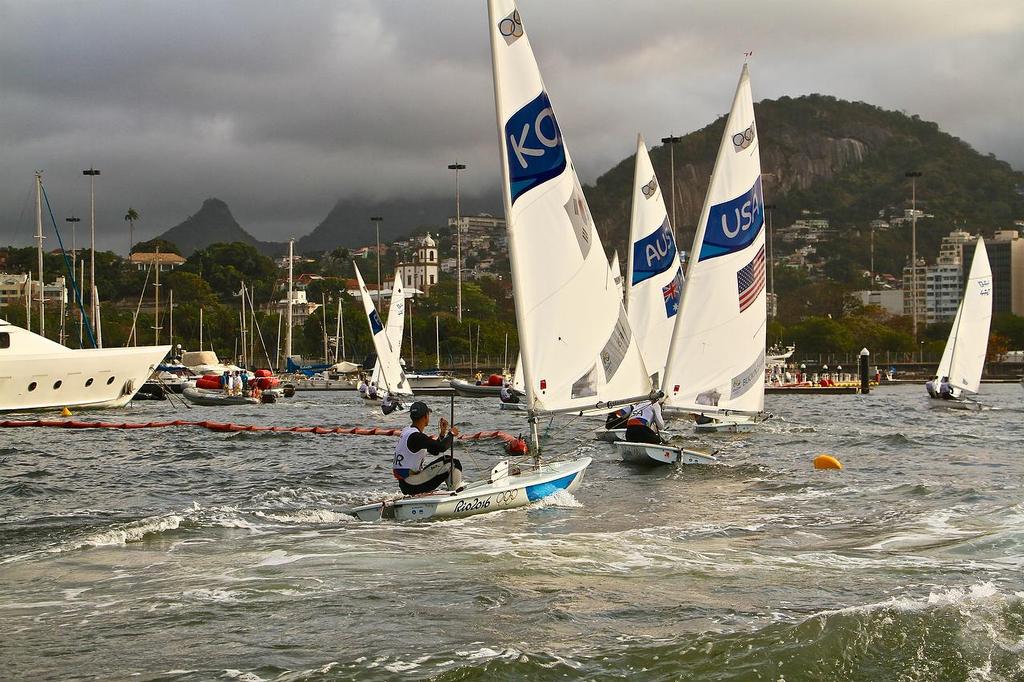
(65, 412)
(827, 462)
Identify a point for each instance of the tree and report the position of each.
(131, 216)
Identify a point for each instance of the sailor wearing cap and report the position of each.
(414, 475)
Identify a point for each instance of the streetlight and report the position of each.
(92, 173)
(771, 251)
(913, 175)
(458, 240)
(377, 220)
(672, 141)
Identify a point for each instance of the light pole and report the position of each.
(458, 240)
(771, 253)
(92, 173)
(672, 141)
(913, 175)
(376, 219)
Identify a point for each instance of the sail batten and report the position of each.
(716, 358)
(576, 343)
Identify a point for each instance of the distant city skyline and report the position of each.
(281, 110)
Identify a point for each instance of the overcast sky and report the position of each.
(280, 108)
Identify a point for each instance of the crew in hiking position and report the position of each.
(415, 475)
(645, 423)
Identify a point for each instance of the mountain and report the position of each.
(844, 161)
(348, 223)
(213, 223)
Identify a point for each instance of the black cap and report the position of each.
(418, 410)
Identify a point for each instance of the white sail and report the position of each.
(577, 346)
(392, 376)
(654, 274)
(617, 274)
(518, 383)
(395, 325)
(718, 346)
(964, 356)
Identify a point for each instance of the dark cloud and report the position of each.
(282, 108)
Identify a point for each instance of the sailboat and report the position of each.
(394, 327)
(391, 375)
(518, 388)
(716, 360)
(578, 352)
(964, 356)
(654, 274)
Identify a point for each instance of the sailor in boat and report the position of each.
(371, 391)
(507, 395)
(645, 423)
(618, 418)
(390, 404)
(945, 390)
(709, 398)
(414, 473)
(930, 387)
(363, 386)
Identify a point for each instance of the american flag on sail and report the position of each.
(750, 280)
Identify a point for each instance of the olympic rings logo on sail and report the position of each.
(650, 188)
(511, 27)
(741, 141)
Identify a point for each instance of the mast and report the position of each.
(241, 322)
(437, 339)
(81, 316)
(92, 173)
(412, 351)
(337, 331)
(323, 325)
(288, 336)
(170, 320)
(200, 329)
(156, 299)
(39, 250)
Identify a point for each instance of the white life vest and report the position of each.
(406, 458)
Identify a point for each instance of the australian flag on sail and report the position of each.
(750, 280)
(671, 292)
(533, 145)
(375, 326)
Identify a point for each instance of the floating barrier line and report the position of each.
(227, 427)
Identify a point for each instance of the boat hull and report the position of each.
(727, 425)
(198, 396)
(505, 492)
(961, 404)
(513, 407)
(610, 435)
(469, 390)
(421, 381)
(88, 378)
(649, 454)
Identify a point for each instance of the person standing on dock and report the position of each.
(413, 474)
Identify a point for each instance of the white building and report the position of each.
(889, 300)
(479, 225)
(13, 290)
(422, 272)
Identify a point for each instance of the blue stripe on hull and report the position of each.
(542, 490)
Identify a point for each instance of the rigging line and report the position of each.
(135, 317)
(67, 264)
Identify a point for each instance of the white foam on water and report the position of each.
(561, 498)
(242, 676)
(305, 516)
(133, 531)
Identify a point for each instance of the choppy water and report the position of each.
(185, 554)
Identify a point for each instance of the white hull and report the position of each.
(211, 398)
(38, 374)
(647, 453)
(417, 381)
(498, 492)
(962, 404)
(728, 424)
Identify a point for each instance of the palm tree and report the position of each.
(131, 216)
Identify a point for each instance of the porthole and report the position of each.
(32, 386)
(110, 381)
(57, 384)
(88, 382)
